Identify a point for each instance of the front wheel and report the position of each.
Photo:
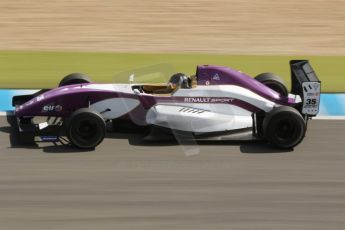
(85, 128)
(74, 78)
(284, 127)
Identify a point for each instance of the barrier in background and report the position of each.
(6, 97)
(331, 104)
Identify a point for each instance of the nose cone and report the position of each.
(30, 108)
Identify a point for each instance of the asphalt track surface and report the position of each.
(130, 184)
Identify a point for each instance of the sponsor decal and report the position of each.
(51, 108)
(58, 108)
(313, 94)
(316, 86)
(207, 100)
(216, 77)
(49, 138)
(207, 82)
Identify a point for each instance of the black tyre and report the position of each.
(284, 127)
(74, 78)
(85, 128)
(274, 82)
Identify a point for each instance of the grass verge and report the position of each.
(34, 69)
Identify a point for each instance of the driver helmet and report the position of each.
(179, 80)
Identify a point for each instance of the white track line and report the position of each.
(6, 113)
(329, 118)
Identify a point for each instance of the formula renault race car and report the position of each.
(216, 103)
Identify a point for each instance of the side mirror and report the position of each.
(136, 91)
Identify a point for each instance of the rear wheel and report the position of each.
(74, 78)
(284, 127)
(274, 82)
(85, 128)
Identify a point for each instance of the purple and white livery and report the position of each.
(217, 103)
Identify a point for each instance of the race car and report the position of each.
(217, 103)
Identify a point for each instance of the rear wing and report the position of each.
(307, 85)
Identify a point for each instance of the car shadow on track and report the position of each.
(135, 138)
(163, 139)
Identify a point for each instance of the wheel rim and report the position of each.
(85, 129)
(287, 131)
(85, 132)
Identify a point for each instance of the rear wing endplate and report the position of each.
(305, 83)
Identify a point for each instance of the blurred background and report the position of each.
(212, 26)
